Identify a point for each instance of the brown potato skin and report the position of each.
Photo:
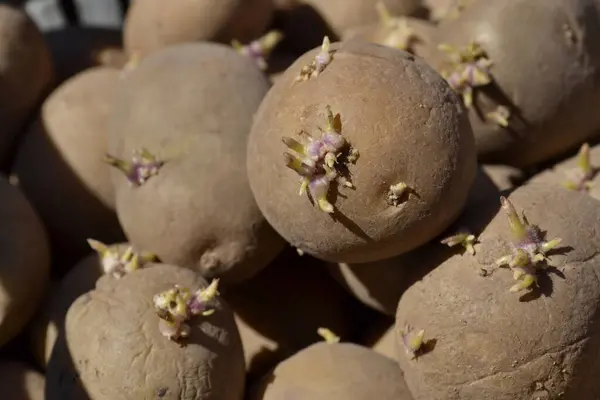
(380, 284)
(25, 76)
(392, 118)
(63, 153)
(343, 14)
(551, 84)
(115, 325)
(20, 382)
(199, 211)
(151, 25)
(337, 371)
(500, 345)
(279, 310)
(26, 261)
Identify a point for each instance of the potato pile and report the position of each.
(302, 200)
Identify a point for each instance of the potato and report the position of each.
(69, 139)
(198, 211)
(291, 286)
(549, 112)
(492, 343)
(380, 284)
(19, 382)
(443, 10)
(25, 76)
(151, 25)
(75, 49)
(394, 110)
(326, 371)
(113, 344)
(342, 15)
(26, 261)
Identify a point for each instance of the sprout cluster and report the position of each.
(500, 116)
(318, 64)
(412, 340)
(401, 35)
(581, 177)
(316, 160)
(529, 248)
(259, 50)
(463, 238)
(116, 263)
(178, 305)
(396, 193)
(143, 166)
(470, 69)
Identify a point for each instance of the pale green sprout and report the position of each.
(464, 239)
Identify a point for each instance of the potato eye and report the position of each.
(172, 304)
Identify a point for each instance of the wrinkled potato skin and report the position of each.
(25, 265)
(380, 284)
(392, 118)
(63, 153)
(556, 107)
(500, 345)
(19, 382)
(151, 25)
(264, 305)
(342, 15)
(199, 211)
(115, 325)
(26, 73)
(334, 372)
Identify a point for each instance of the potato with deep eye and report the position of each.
(374, 140)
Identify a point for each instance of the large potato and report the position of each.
(20, 382)
(154, 24)
(25, 73)
(407, 126)
(113, 348)
(495, 344)
(198, 211)
(548, 87)
(338, 371)
(60, 164)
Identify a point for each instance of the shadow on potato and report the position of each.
(303, 28)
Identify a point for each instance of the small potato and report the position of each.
(342, 15)
(113, 348)
(279, 310)
(547, 110)
(20, 382)
(25, 73)
(60, 164)
(399, 124)
(151, 25)
(495, 343)
(25, 264)
(197, 210)
(338, 371)
(75, 49)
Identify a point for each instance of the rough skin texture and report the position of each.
(199, 211)
(393, 118)
(553, 110)
(114, 342)
(343, 14)
(25, 73)
(62, 153)
(20, 382)
(334, 372)
(494, 344)
(280, 309)
(154, 24)
(25, 264)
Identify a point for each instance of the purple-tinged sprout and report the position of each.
(319, 188)
(178, 305)
(528, 247)
(500, 116)
(318, 64)
(119, 264)
(412, 341)
(396, 192)
(581, 177)
(142, 167)
(465, 239)
(260, 49)
(401, 36)
(328, 335)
